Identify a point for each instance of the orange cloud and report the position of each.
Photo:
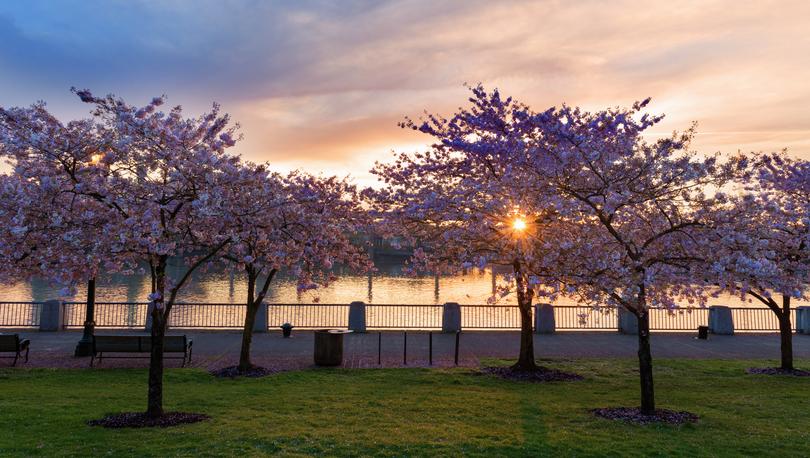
(323, 86)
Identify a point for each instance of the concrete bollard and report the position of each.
(52, 316)
(357, 316)
(451, 317)
(544, 319)
(261, 325)
(149, 309)
(803, 319)
(628, 322)
(720, 320)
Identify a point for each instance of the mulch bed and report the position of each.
(634, 415)
(777, 371)
(542, 374)
(141, 420)
(253, 372)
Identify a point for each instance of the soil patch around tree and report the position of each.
(539, 375)
(777, 371)
(233, 372)
(142, 420)
(634, 415)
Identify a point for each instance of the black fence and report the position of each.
(20, 314)
(133, 315)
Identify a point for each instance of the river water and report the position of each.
(387, 286)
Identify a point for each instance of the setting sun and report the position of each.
(518, 224)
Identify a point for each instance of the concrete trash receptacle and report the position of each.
(329, 347)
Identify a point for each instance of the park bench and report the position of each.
(11, 343)
(103, 345)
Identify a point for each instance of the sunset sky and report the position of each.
(321, 85)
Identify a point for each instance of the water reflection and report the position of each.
(387, 286)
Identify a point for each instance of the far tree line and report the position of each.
(576, 204)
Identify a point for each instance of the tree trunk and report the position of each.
(526, 357)
(645, 368)
(785, 327)
(525, 360)
(155, 401)
(786, 335)
(154, 407)
(250, 318)
(160, 319)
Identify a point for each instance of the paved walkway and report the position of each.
(214, 349)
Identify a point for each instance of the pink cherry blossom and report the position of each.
(578, 203)
(760, 243)
(296, 222)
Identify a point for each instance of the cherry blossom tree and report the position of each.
(299, 223)
(58, 237)
(635, 213)
(25, 230)
(161, 177)
(461, 202)
(168, 181)
(761, 244)
(618, 217)
(57, 231)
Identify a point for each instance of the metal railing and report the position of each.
(108, 315)
(20, 314)
(129, 315)
(684, 319)
(383, 316)
(490, 317)
(308, 316)
(758, 319)
(579, 317)
(213, 316)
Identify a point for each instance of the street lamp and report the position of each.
(85, 345)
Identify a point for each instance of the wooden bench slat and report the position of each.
(137, 344)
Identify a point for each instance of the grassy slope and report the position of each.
(409, 412)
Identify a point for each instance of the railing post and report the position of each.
(720, 320)
(52, 316)
(628, 322)
(357, 316)
(803, 319)
(544, 319)
(451, 317)
(261, 325)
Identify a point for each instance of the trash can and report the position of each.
(329, 347)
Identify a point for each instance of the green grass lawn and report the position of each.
(410, 412)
